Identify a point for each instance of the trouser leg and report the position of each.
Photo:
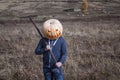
(47, 74)
(57, 74)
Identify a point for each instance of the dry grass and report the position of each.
(93, 41)
(93, 51)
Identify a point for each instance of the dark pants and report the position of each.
(53, 74)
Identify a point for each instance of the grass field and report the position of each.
(93, 44)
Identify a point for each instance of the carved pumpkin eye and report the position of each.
(56, 29)
(49, 31)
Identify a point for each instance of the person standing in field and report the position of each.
(84, 7)
(54, 43)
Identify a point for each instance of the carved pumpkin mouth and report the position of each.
(53, 36)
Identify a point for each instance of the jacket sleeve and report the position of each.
(63, 52)
(40, 49)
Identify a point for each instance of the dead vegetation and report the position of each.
(93, 43)
(93, 51)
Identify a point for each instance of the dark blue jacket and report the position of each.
(59, 50)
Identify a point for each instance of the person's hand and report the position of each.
(48, 47)
(58, 64)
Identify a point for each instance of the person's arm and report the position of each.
(63, 52)
(40, 49)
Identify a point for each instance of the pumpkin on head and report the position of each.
(52, 29)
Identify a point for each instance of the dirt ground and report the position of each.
(93, 40)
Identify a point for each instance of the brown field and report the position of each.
(93, 40)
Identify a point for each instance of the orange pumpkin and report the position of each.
(52, 29)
